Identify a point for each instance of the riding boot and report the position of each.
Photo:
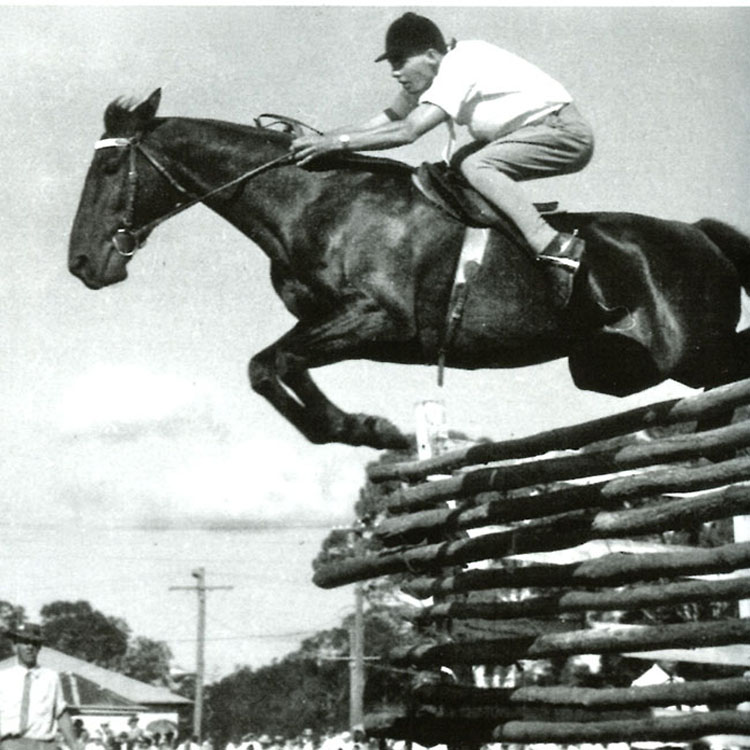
(562, 258)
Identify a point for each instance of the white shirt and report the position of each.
(490, 90)
(46, 702)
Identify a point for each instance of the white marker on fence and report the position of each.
(431, 428)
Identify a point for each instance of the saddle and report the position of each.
(450, 190)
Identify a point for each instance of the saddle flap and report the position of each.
(451, 191)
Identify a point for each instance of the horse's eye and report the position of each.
(111, 166)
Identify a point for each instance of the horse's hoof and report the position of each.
(378, 433)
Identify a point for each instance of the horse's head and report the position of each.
(116, 198)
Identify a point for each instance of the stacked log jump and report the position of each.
(628, 479)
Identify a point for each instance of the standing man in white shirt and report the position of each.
(523, 123)
(32, 707)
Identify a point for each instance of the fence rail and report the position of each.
(599, 484)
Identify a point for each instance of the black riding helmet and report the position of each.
(411, 34)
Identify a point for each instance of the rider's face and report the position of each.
(416, 72)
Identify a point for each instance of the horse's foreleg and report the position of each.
(352, 429)
(280, 374)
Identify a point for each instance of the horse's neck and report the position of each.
(209, 153)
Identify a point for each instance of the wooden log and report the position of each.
(638, 597)
(713, 403)
(690, 726)
(610, 640)
(412, 527)
(415, 526)
(618, 568)
(556, 532)
(498, 713)
(677, 479)
(531, 576)
(676, 514)
(429, 730)
(733, 690)
(575, 466)
(463, 695)
(613, 569)
(565, 530)
(510, 642)
(513, 644)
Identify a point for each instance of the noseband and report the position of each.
(126, 240)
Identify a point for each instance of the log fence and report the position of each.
(462, 542)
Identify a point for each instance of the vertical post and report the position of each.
(200, 651)
(431, 428)
(200, 662)
(357, 661)
(742, 534)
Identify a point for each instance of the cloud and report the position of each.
(147, 448)
(128, 402)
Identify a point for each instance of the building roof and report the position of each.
(85, 695)
(102, 686)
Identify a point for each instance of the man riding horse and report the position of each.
(523, 123)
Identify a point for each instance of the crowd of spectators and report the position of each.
(103, 737)
(306, 740)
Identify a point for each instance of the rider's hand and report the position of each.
(309, 147)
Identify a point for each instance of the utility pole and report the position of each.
(357, 661)
(357, 643)
(200, 659)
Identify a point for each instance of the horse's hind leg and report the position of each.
(280, 374)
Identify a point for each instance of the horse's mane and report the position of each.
(120, 114)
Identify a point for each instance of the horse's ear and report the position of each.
(115, 116)
(122, 116)
(146, 110)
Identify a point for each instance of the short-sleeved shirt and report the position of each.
(46, 702)
(488, 89)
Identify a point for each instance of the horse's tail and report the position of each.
(733, 243)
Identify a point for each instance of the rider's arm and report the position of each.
(398, 109)
(385, 134)
(398, 132)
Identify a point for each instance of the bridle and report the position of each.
(126, 240)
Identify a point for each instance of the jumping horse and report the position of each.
(366, 264)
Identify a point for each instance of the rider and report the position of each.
(523, 123)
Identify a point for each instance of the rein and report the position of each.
(127, 240)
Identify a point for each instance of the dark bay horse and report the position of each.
(366, 265)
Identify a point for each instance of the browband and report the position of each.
(112, 143)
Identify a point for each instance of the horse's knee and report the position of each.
(271, 367)
(260, 374)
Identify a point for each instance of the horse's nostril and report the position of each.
(77, 264)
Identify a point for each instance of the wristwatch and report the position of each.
(344, 140)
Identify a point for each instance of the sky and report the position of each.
(128, 410)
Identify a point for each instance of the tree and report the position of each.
(281, 698)
(147, 660)
(77, 629)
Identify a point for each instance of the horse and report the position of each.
(366, 264)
